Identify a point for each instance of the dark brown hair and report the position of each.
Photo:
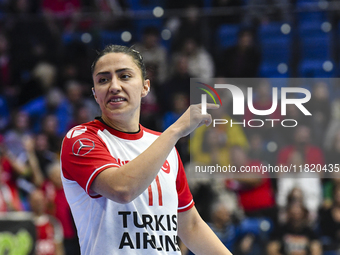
(137, 57)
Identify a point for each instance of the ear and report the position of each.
(146, 88)
(94, 94)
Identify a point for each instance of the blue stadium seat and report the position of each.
(330, 253)
(315, 48)
(87, 38)
(138, 5)
(140, 24)
(207, 4)
(111, 37)
(306, 11)
(312, 29)
(272, 30)
(70, 37)
(315, 68)
(276, 50)
(315, 43)
(227, 35)
(271, 70)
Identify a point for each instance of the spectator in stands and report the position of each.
(328, 189)
(295, 195)
(232, 14)
(81, 115)
(59, 208)
(4, 113)
(177, 82)
(43, 153)
(29, 48)
(10, 170)
(77, 57)
(302, 144)
(200, 62)
(187, 26)
(5, 65)
(13, 138)
(334, 125)
(295, 236)
(237, 235)
(150, 107)
(333, 153)
(49, 230)
(180, 102)
(242, 60)
(154, 54)
(42, 80)
(212, 146)
(286, 134)
(308, 182)
(64, 14)
(263, 11)
(50, 129)
(329, 222)
(251, 187)
(112, 14)
(320, 108)
(258, 149)
(35, 172)
(263, 100)
(76, 99)
(52, 103)
(332, 160)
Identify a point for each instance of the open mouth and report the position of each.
(116, 100)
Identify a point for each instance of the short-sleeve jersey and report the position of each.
(146, 225)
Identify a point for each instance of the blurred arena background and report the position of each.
(47, 47)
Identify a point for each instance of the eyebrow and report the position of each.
(117, 71)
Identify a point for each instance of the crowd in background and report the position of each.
(46, 49)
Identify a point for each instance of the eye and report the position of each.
(102, 80)
(125, 76)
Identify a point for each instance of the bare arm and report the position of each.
(125, 183)
(198, 236)
(37, 176)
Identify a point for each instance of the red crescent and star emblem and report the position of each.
(82, 146)
(166, 167)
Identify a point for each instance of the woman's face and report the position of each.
(119, 86)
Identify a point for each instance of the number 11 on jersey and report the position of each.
(159, 190)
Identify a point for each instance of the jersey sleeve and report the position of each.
(185, 199)
(84, 156)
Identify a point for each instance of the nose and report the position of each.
(115, 85)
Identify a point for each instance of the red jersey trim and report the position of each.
(94, 175)
(187, 207)
(120, 134)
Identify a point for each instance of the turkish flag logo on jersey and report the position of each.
(82, 146)
(78, 130)
(166, 167)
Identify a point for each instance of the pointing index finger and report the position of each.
(213, 106)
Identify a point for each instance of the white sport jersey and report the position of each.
(148, 224)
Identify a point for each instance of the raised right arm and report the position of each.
(127, 182)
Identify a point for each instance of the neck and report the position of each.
(121, 125)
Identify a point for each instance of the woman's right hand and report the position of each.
(192, 118)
